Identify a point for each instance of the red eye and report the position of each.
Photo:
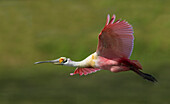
(61, 60)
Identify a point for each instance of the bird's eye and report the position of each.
(63, 60)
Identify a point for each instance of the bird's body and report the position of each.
(114, 49)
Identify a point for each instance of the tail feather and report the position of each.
(145, 75)
(135, 66)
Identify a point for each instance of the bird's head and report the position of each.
(59, 61)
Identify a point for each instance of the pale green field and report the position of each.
(41, 30)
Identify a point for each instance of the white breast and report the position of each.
(90, 61)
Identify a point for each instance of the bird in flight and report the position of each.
(114, 48)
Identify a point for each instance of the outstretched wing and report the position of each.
(84, 71)
(116, 39)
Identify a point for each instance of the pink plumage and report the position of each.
(115, 46)
(84, 71)
(114, 49)
(116, 40)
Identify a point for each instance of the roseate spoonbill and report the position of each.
(113, 51)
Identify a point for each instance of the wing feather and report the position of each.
(84, 71)
(116, 39)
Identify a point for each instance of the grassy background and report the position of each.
(40, 30)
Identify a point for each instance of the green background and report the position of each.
(34, 30)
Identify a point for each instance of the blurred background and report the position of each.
(39, 30)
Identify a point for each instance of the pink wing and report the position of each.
(84, 71)
(116, 39)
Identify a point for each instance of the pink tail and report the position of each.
(134, 65)
(131, 63)
(137, 64)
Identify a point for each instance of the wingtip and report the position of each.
(108, 19)
(114, 16)
(108, 15)
(112, 19)
(71, 74)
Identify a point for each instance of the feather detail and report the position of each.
(84, 71)
(112, 19)
(108, 19)
(116, 39)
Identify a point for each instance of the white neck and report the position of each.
(87, 62)
(73, 63)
